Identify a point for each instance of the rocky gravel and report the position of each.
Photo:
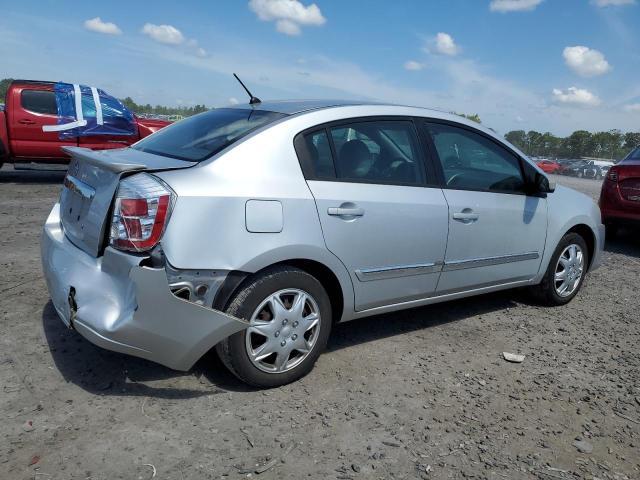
(419, 394)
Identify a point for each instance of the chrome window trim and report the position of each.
(381, 273)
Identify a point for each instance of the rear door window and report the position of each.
(384, 152)
(39, 101)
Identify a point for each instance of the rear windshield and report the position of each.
(201, 136)
(634, 154)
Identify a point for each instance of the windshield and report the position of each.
(201, 136)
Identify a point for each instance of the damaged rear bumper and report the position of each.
(117, 304)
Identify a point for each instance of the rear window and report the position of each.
(39, 101)
(634, 154)
(201, 136)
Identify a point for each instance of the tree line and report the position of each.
(161, 109)
(613, 145)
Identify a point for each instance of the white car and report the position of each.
(254, 229)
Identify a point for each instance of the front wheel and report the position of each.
(566, 272)
(289, 317)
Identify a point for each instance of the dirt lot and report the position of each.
(417, 394)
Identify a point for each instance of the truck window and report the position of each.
(39, 101)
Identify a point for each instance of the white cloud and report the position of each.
(612, 3)
(289, 15)
(414, 66)
(576, 96)
(444, 44)
(233, 101)
(503, 6)
(163, 33)
(632, 108)
(585, 61)
(97, 25)
(288, 27)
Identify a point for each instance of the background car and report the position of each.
(548, 166)
(620, 194)
(31, 107)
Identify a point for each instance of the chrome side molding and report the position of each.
(368, 274)
(488, 261)
(381, 273)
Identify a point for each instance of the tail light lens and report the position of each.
(612, 174)
(141, 212)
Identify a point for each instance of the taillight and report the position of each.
(613, 174)
(141, 211)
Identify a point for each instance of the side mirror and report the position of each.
(543, 184)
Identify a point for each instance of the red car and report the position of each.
(620, 194)
(549, 166)
(31, 105)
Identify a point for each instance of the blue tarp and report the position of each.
(116, 118)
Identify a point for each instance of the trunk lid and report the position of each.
(90, 185)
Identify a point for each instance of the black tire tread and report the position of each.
(245, 290)
(544, 292)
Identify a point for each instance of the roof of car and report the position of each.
(291, 107)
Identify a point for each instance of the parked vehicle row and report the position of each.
(254, 229)
(576, 168)
(31, 109)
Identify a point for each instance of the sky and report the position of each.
(546, 65)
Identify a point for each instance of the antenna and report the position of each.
(252, 100)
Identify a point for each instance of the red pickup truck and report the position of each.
(30, 105)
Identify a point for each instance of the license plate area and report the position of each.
(75, 202)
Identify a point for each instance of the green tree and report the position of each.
(4, 86)
(474, 118)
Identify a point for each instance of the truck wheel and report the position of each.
(565, 273)
(289, 313)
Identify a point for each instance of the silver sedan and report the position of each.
(254, 229)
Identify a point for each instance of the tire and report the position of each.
(580, 174)
(255, 301)
(612, 230)
(547, 291)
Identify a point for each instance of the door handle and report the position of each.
(466, 216)
(26, 121)
(345, 212)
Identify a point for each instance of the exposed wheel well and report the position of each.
(328, 280)
(324, 275)
(589, 237)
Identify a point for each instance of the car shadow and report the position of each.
(378, 327)
(10, 175)
(102, 372)
(625, 242)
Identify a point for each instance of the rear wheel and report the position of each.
(566, 272)
(289, 317)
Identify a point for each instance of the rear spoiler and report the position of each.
(121, 160)
(100, 158)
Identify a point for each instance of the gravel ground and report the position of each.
(423, 393)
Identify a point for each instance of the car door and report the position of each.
(378, 213)
(497, 232)
(31, 109)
